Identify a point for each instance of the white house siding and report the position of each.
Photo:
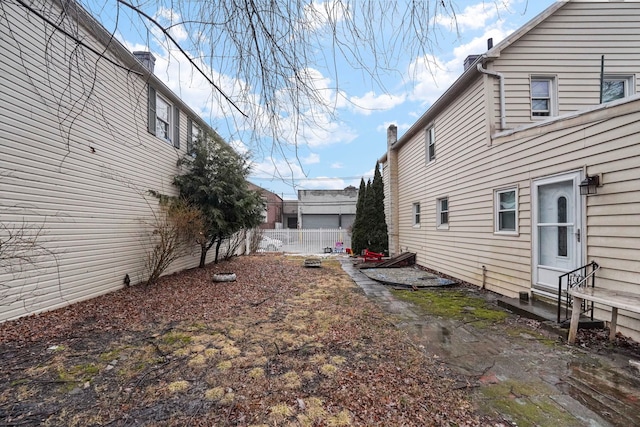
(569, 44)
(468, 171)
(390, 179)
(458, 173)
(603, 141)
(76, 160)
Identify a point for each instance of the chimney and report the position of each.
(392, 135)
(147, 59)
(489, 43)
(469, 60)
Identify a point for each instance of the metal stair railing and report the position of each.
(575, 279)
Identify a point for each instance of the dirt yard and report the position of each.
(283, 345)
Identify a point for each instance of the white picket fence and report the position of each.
(311, 241)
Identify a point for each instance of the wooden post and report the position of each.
(575, 319)
(614, 323)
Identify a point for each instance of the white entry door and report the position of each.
(557, 230)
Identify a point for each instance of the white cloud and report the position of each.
(478, 44)
(336, 165)
(169, 17)
(371, 102)
(278, 169)
(306, 123)
(323, 182)
(368, 175)
(311, 159)
(318, 14)
(402, 127)
(433, 76)
(239, 146)
(474, 17)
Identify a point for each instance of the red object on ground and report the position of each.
(372, 256)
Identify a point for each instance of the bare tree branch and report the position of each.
(186, 55)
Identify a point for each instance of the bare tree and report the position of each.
(272, 51)
(23, 254)
(173, 230)
(261, 57)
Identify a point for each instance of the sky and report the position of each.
(339, 150)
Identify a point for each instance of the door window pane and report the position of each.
(555, 224)
(562, 230)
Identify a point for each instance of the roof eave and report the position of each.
(446, 97)
(470, 73)
(93, 26)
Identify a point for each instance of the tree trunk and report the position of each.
(218, 244)
(205, 249)
(203, 255)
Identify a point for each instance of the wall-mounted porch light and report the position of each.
(590, 185)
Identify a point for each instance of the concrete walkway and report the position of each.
(513, 371)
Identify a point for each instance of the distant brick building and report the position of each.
(272, 215)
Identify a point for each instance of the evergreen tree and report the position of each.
(369, 229)
(358, 234)
(378, 236)
(216, 182)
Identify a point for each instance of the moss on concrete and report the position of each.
(454, 304)
(526, 404)
(528, 333)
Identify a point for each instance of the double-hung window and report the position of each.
(442, 212)
(616, 87)
(542, 96)
(430, 138)
(416, 214)
(163, 118)
(506, 211)
(193, 133)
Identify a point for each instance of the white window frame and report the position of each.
(440, 224)
(498, 210)
(627, 80)
(161, 122)
(193, 131)
(416, 215)
(552, 97)
(430, 141)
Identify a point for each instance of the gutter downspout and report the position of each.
(500, 76)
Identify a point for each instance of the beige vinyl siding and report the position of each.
(411, 169)
(453, 175)
(604, 141)
(472, 163)
(92, 206)
(569, 45)
(470, 208)
(390, 207)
